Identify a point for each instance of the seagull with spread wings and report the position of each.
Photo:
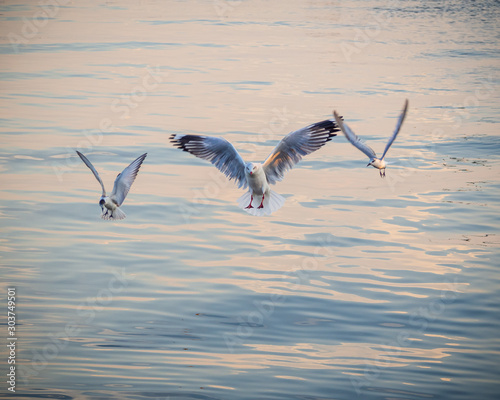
(375, 162)
(260, 199)
(123, 182)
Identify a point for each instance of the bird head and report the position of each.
(102, 201)
(250, 168)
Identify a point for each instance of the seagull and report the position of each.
(259, 199)
(109, 204)
(375, 162)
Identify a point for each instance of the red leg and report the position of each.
(251, 200)
(262, 201)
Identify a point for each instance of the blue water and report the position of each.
(359, 287)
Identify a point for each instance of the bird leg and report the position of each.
(262, 201)
(251, 200)
(382, 174)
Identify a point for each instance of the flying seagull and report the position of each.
(123, 182)
(375, 162)
(260, 199)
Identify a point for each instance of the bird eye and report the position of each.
(101, 202)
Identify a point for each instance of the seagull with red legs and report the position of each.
(259, 199)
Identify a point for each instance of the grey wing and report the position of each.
(89, 164)
(218, 151)
(351, 137)
(124, 180)
(398, 127)
(295, 145)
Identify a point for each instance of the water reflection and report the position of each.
(382, 287)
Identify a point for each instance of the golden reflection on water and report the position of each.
(372, 248)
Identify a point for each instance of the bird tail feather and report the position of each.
(272, 202)
(113, 214)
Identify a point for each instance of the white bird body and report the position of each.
(259, 199)
(378, 163)
(259, 190)
(256, 178)
(110, 204)
(375, 162)
(110, 209)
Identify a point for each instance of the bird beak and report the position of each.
(251, 172)
(368, 164)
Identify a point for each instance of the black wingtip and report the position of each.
(183, 140)
(328, 125)
(176, 142)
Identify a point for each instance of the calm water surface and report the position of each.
(357, 288)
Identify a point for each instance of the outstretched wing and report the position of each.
(351, 136)
(295, 145)
(124, 181)
(218, 151)
(398, 127)
(89, 164)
